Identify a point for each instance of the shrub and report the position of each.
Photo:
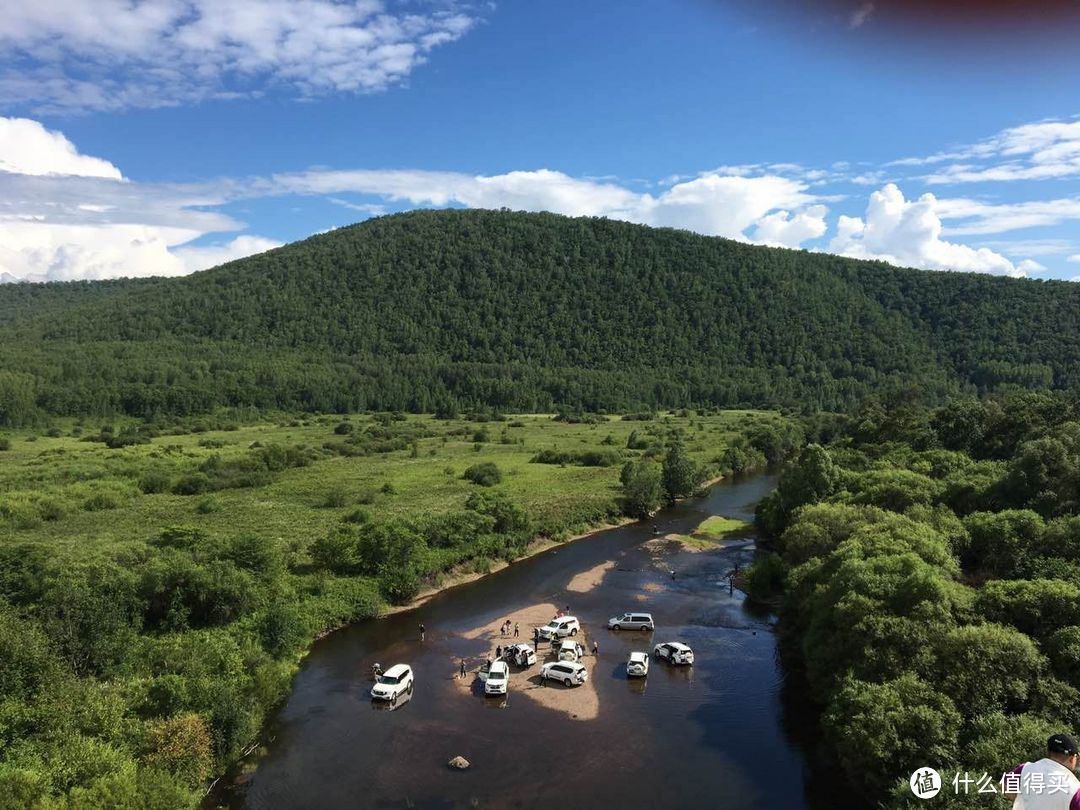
(336, 498)
(765, 578)
(155, 482)
(165, 695)
(336, 551)
(5, 443)
(486, 474)
(282, 629)
(357, 516)
(54, 433)
(182, 746)
(343, 429)
(883, 729)
(1063, 647)
(101, 502)
(387, 489)
(51, 509)
(208, 505)
(192, 484)
(19, 514)
(184, 537)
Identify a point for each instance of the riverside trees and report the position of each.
(931, 594)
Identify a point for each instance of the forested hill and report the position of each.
(521, 311)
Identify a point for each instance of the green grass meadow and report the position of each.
(167, 579)
(88, 501)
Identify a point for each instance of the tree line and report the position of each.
(928, 566)
(453, 310)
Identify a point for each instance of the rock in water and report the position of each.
(459, 762)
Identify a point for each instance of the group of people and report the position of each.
(504, 630)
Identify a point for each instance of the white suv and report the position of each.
(560, 627)
(570, 651)
(674, 652)
(396, 681)
(497, 678)
(568, 673)
(521, 654)
(632, 621)
(637, 666)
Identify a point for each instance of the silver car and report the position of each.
(632, 621)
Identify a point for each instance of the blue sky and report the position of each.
(162, 136)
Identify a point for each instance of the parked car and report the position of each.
(674, 652)
(560, 627)
(568, 673)
(498, 678)
(637, 666)
(522, 654)
(632, 621)
(393, 683)
(570, 651)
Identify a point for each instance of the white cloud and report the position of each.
(66, 216)
(200, 258)
(1075, 258)
(1032, 247)
(26, 147)
(34, 251)
(713, 204)
(908, 233)
(987, 218)
(1040, 151)
(782, 229)
(78, 55)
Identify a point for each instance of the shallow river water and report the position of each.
(729, 732)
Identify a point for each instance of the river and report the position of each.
(730, 732)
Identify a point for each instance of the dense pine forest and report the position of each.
(450, 310)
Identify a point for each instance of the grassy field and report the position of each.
(159, 583)
(82, 498)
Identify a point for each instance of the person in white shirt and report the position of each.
(1048, 784)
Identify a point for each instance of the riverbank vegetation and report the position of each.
(159, 580)
(930, 567)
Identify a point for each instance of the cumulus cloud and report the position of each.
(202, 257)
(783, 229)
(32, 251)
(908, 233)
(66, 216)
(1075, 258)
(79, 55)
(26, 147)
(713, 204)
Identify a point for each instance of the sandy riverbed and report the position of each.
(587, 580)
(577, 702)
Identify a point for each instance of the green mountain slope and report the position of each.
(525, 311)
